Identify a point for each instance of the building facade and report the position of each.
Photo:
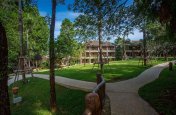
(133, 49)
(91, 53)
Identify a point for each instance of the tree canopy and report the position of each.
(35, 34)
(107, 12)
(161, 10)
(67, 45)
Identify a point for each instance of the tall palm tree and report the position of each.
(4, 96)
(52, 59)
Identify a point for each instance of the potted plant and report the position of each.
(15, 90)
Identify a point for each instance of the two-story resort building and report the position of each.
(91, 53)
(133, 49)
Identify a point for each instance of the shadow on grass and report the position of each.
(36, 96)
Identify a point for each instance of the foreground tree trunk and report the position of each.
(144, 50)
(52, 60)
(21, 39)
(4, 96)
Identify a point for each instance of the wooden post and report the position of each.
(170, 66)
(103, 95)
(92, 102)
(98, 78)
(100, 91)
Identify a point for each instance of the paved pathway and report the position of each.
(70, 83)
(123, 95)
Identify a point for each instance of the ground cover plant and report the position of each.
(114, 71)
(36, 95)
(161, 93)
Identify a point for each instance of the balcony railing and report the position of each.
(95, 57)
(98, 51)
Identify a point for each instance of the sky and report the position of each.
(62, 12)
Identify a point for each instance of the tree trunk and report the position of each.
(85, 46)
(99, 39)
(124, 49)
(4, 96)
(165, 55)
(21, 38)
(52, 60)
(144, 45)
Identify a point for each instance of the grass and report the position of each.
(115, 71)
(161, 93)
(36, 96)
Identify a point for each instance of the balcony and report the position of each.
(98, 51)
(95, 57)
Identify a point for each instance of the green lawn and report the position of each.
(115, 71)
(36, 96)
(161, 93)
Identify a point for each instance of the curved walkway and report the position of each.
(69, 83)
(123, 95)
